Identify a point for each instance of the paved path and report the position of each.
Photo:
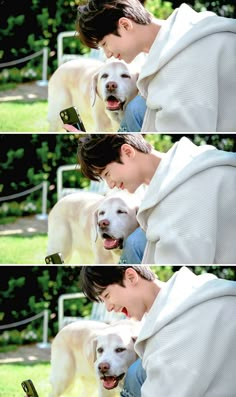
(25, 92)
(26, 354)
(24, 226)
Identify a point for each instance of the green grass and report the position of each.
(8, 86)
(7, 219)
(23, 250)
(20, 116)
(11, 376)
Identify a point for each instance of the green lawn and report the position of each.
(22, 116)
(23, 250)
(11, 376)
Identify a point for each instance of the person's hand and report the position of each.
(70, 128)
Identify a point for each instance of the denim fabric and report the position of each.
(134, 247)
(134, 379)
(134, 115)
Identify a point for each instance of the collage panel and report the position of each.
(95, 198)
(117, 198)
(55, 339)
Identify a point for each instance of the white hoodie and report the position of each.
(188, 339)
(189, 78)
(189, 209)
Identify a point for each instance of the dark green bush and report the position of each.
(29, 26)
(26, 291)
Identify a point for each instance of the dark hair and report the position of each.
(95, 151)
(95, 279)
(98, 18)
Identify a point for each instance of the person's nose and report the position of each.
(111, 183)
(109, 307)
(108, 53)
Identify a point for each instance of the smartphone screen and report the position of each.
(54, 258)
(71, 116)
(29, 389)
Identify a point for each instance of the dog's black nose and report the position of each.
(103, 223)
(104, 367)
(111, 86)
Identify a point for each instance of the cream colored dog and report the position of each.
(99, 90)
(97, 353)
(92, 225)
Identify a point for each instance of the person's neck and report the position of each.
(150, 33)
(152, 162)
(154, 290)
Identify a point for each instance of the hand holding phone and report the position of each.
(29, 389)
(72, 117)
(54, 258)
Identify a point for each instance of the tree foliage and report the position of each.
(29, 25)
(29, 159)
(26, 291)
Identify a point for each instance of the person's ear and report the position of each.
(125, 23)
(127, 150)
(131, 276)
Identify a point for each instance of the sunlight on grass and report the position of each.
(13, 374)
(23, 250)
(23, 116)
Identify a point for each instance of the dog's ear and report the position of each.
(90, 350)
(93, 90)
(95, 227)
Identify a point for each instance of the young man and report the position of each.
(188, 211)
(188, 79)
(187, 341)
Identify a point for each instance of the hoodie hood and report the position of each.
(181, 293)
(180, 163)
(184, 27)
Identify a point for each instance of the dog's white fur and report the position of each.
(87, 83)
(81, 222)
(82, 347)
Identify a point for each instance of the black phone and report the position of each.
(54, 258)
(71, 116)
(29, 389)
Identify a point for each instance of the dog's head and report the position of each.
(115, 85)
(115, 353)
(115, 219)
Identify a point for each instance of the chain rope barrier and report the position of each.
(22, 322)
(16, 195)
(17, 61)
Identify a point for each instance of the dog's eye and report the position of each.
(120, 349)
(101, 213)
(121, 212)
(125, 76)
(100, 350)
(104, 76)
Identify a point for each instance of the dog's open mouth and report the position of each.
(110, 243)
(110, 382)
(112, 103)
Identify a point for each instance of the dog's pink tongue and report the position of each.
(113, 104)
(110, 243)
(109, 382)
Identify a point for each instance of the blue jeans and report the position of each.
(134, 379)
(134, 247)
(134, 115)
